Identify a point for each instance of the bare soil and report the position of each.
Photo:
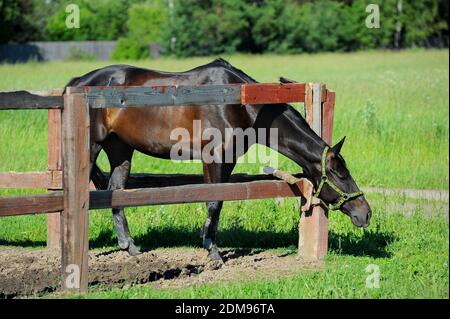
(33, 273)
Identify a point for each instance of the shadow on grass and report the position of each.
(371, 244)
(23, 243)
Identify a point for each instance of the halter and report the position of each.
(343, 196)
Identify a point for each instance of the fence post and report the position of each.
(313, 225)
(54, 166)
(74, 218)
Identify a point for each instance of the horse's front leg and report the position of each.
(209, 230)
(214, 173)
(119, 155)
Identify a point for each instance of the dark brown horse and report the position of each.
(121, 131)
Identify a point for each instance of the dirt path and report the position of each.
(25, 273)
(428, 194)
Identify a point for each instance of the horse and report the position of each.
(119, 132)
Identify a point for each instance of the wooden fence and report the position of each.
(70, 194)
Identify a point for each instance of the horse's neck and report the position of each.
(298, 141)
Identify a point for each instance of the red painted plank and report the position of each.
(327, 117)
(272, 93)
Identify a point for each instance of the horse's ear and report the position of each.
(286, 80)
(337, 148)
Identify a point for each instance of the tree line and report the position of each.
(208, 27)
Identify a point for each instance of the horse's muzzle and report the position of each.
(359, 211)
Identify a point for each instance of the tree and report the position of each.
(147, 22)
(208, 27)
(17, 22)
(99, 20)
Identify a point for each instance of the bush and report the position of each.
(19, 21)
(421, 22)
(314, 27)
(267, 29)
(147, 22)
(129, 49)
(208, 27)
(99, 20)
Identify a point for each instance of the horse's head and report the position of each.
(337, 189)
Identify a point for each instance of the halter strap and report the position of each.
(343, 196)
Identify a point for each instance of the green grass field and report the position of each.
(392, 106)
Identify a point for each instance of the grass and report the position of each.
(393, 108)
(410, 252)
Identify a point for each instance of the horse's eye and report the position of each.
(342, 173)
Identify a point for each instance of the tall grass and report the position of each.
(392, 106)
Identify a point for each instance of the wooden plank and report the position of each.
(54, 230)
(51, 92)
(309, 103)
(54, 160)
(52, 180)
(313, 239)
(54, 140)
(29, 180)
(53, 202)
(31, 204)
(193, 194)
(165, 180)
(74, 218)
(119, 97)
(316, 123)
(313, 225)
(272, 93)
(22, 100)
(328, 116)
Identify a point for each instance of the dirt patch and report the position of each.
(25, 272)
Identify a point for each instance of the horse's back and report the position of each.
(149, 129)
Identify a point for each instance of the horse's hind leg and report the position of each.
(214, 173)
(119, 155)
(96, 175)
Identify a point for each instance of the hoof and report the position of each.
(215, 256)
(133, 250)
